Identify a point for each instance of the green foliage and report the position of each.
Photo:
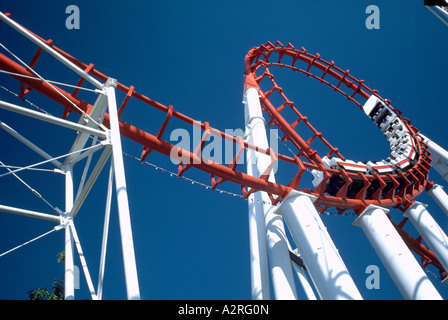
(57, 292)
(61, 257)
(57, 289)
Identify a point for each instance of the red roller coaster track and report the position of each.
(355, 190)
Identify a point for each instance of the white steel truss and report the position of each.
(110, 144)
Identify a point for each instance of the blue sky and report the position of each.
(192, 243)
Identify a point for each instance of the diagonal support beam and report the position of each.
(97, 114)
(82, 259)
(91, 181)
(105, 234)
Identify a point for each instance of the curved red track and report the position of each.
(405, 185)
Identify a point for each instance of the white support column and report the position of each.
(430, 231)
(283, 284)
(69, 274)
(259, 270)
(124, 217)
(401, 265)
(309, 293)
(440, 197)
(435, 149)
(439, 156)
(257, 239)
(306, 286)
(321, 258)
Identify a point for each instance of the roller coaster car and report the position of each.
(402, 145)
(403, 154)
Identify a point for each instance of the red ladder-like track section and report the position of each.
(405, 185)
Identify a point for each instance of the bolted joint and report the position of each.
(111, 82)
(65, 220)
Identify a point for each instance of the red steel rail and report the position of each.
(403, 186)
